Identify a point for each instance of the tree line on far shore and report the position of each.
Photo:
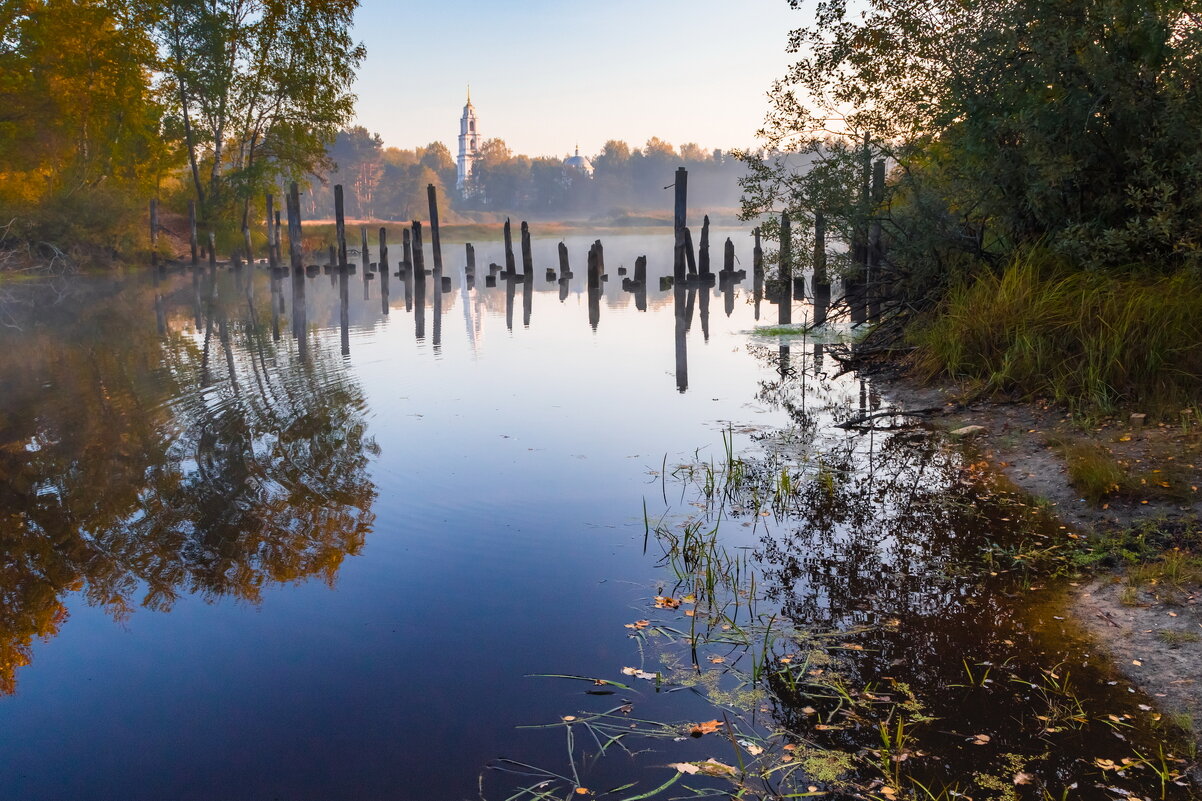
(389, 183)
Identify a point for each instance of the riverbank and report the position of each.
(1129, 495)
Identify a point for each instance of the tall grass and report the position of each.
(1094, 341)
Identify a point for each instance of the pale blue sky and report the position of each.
(546, 74)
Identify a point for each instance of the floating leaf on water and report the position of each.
(707, 727)
(980, 739)
(665, 602)
(751, 748)
(638, 674)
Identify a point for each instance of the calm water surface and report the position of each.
(309, 539)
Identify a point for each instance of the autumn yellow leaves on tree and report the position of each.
(105, 103)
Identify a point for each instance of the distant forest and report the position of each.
(389, 183)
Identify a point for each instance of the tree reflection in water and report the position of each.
(137, 468)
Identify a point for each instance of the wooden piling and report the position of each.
(690, 258)
(510, 263)
(384, 253)
(703, 252)
(435, 242)
(640, 270)
(875, 286)
(340, 224)
(406, 250)
(728, 257)
(419, 258)
(757, 256)
(471, 258)
(564, 269)
(679, 221)
(294, 229)
(820, 279)
(192, 232)
(786, 269)
(364, 251)
(527, 258)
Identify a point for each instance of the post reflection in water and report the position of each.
(527, 299)
(344, 310)
(681, 312)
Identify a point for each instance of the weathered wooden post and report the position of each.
(728, 257)
(212, 251)
(757, 256)
(333, 257)
(600, 259)
(690, 257)
(406, 251)
(820, 279)
(510, 263)
(383, 255)
(419, 258)
(640, 283)
(527, 258)
(340, 224)
(679, 222)
(471, 258)
(192, 244)
(364, 251)
(594, 275)
(154, 232)
(822, 284)
(294, 229)
(435, 242)
(786, 269)
(272, 255)
(875, 285)
(703, 253)
(564, 270)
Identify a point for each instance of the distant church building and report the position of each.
(469, 144)
(578, 163)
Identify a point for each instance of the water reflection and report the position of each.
(207, 461)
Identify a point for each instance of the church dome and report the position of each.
(578, 163)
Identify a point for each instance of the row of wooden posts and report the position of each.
(689, 265)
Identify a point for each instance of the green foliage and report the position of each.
(259, 88)
(1091, 340)
(1004, 123)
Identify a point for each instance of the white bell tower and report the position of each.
(469, 143)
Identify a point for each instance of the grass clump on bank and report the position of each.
(1093, 341)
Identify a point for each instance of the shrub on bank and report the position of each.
(1095, 341)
